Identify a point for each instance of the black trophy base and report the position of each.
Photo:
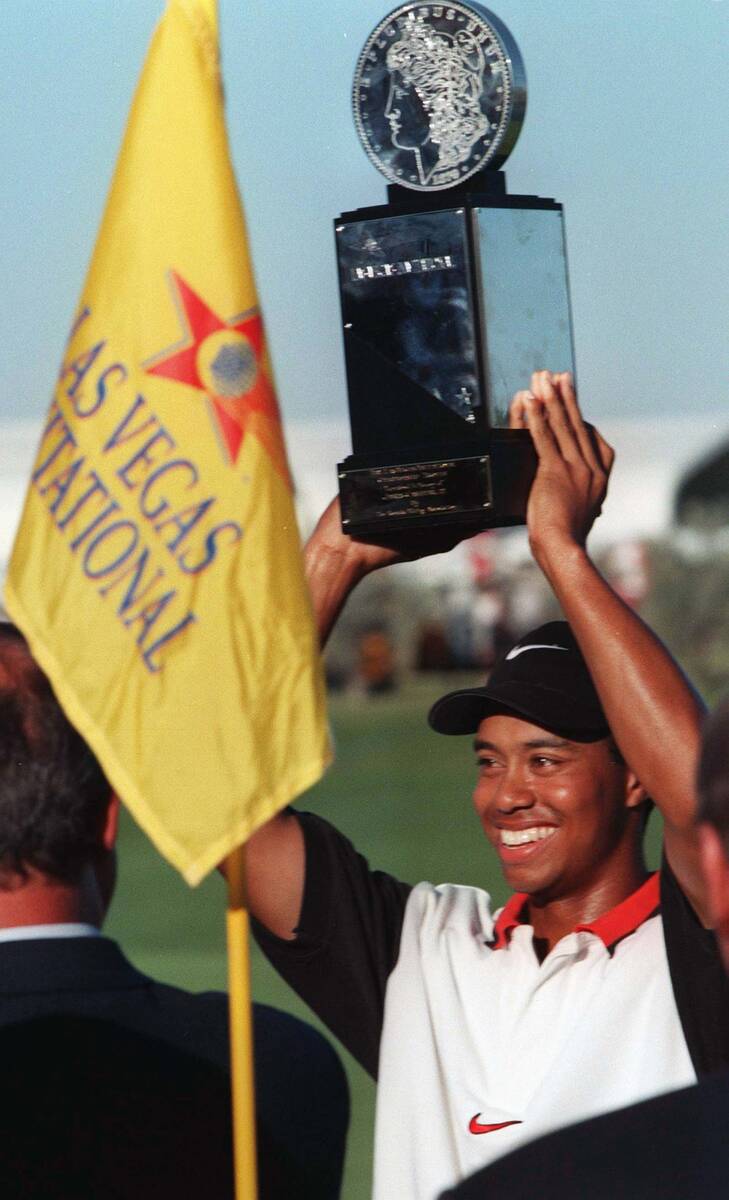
(469, 492)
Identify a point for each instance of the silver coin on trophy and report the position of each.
(439, 93)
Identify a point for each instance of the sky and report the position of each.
(626, 123)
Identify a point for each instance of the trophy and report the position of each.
(453, 291)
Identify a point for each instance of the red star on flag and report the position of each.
(225, 362)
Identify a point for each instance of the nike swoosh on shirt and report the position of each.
(476, 1127)
(533, 646)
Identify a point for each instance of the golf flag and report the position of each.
(157, 570)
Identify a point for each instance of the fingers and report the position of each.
(598, 454)
(540, 428)
(566, 389)
(604, 452)
(576, 440)
(543, 387)
(518, 410)
(553, 397)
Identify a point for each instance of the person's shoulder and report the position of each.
(451, 906)
(288, 1039)
(209, 1008)
(209, 1001)
(204, 1017)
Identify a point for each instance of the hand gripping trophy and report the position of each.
(453, 291)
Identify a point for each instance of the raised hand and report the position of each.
(401, 546)
(335, 562)
(574, 463)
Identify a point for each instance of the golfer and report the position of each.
(486, 1029)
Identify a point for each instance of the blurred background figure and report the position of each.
(458, 618)
(432, 652)
(628, 566)
(492, 634)
(376, 662)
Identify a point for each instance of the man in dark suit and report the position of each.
(115, 1084)
(675, 1146)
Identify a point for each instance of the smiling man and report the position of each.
(488, 1029)
(553, 793)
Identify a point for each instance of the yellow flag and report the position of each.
(157, 569)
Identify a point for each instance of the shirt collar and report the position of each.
(66, 929)
(610, 927)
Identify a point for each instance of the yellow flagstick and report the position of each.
(241, 1029)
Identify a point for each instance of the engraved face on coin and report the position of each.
(439, 92)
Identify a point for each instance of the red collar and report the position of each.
(613, 925)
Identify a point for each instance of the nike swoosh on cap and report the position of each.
(517, 650)
(475, 1126)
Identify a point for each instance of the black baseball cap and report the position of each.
(543, 679)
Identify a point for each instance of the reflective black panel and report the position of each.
(406, 293)
(526, 307)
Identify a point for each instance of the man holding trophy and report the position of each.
(485, 1030)
(583, 994)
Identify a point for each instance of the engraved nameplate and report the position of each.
(415, 493)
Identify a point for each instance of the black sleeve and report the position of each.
(347, 940)
(700, 984)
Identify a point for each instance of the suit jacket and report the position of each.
(672, 1147)
(127, 1080)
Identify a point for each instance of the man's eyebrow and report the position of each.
(551, 743)
(554, 743)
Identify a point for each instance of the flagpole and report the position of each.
(241, 1029)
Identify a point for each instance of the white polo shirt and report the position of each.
(478, 1047)
(483, 1047)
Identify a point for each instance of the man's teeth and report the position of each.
(519, 837)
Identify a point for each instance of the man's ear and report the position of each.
(715, 868)
(635, 793)
(111, 823)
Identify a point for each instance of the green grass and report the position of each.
(399, 791)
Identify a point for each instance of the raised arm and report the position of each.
(334, 564)
(653, 712)
(275, 857)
